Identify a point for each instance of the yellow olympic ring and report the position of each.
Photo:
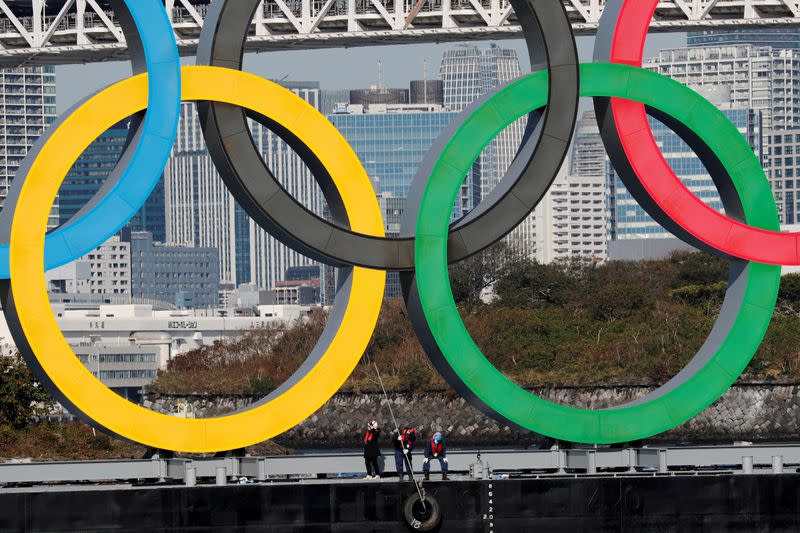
(51, 349)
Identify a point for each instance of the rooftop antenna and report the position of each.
(380, 74)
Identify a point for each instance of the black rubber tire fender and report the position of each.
(433, 519)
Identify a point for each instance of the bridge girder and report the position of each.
(77, 31)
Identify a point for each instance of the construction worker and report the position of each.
(404, 442)
(435, 449)
(372, 450)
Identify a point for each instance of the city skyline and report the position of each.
(248, 255)
(332, 68)
(200, 211)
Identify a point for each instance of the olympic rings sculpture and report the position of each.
(747, 234)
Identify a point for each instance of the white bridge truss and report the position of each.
(75, 31)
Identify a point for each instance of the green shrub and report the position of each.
(19, 393)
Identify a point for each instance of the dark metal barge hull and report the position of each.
(638, 503)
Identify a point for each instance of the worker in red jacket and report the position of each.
(404, 442)
(372, 450)
(435, 449)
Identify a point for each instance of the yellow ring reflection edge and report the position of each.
(70, 376)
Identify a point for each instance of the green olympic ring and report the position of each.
(638, 419)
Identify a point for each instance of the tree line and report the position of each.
(566, 323)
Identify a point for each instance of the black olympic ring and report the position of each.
(551, 45)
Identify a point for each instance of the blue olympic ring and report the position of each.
(119, 204)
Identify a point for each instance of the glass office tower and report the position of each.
(630, 221)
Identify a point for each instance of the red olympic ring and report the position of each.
(716, 230)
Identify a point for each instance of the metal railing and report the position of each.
(749, 459)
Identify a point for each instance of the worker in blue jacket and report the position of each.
(435, 449)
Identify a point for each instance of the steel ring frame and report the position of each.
(747, 309)
(36, 331)
(636, 157)
(551, 45)
(152, 46)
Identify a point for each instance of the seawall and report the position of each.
(747, 411)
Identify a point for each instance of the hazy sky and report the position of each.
(339, 68)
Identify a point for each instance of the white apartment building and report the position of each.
(105, 270)
(781, 160)
(27, 108)
(580, 225)
(571, 221)
(761, 78)
(109, 267)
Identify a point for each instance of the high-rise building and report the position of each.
(588, 155)
(627, 218)
(201, 211)
(427, 92)
(90, 171)
(71, 278)
(152, 216)
(571, 221)
(391, 141)
(180, 275)
(763, 76)
(301, 273)
(759, 78)
(27, 108)
(781, 160)
(785, 37)
(578, 226)
(467, 73)
(392, 208)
